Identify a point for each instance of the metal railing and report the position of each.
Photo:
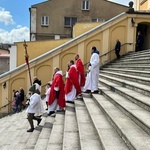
(114, 49)
(8, 111)
(109, 52)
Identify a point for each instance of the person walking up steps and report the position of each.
(35, 107)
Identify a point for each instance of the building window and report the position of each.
(69, 21)
(44, 20)
(98, 20)
(86, 5)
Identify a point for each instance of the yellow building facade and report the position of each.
(44, 57)
(142, 5)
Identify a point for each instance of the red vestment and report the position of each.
(80, 70)
(72, 80)
(57, 83)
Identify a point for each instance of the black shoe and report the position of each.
(50, 113)
(95, 92)
(30, 130)
(70, 102)
(60, 110)
(38, 121)
(39, 117)
(87, 91)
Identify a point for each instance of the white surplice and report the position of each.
(71, 95)
(35, 105)
(93, 75)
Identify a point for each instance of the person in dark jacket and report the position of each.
(22, 95)
(139, 41)
(17, 102)
(117, 48)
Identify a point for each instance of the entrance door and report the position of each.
(145, 31)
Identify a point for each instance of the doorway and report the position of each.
(145, 31)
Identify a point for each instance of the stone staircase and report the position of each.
(118, 118)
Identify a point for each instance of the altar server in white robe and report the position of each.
(35, 107)
(91, 84)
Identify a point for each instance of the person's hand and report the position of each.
(89, 64)
(88, 71)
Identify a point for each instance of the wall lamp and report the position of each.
(4, 85)
(132, 22)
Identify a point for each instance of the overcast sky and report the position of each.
(15, 19)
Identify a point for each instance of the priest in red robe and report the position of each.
(72, 87)
(57, 95)
(80, 71)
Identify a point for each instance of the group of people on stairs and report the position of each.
(59, 93)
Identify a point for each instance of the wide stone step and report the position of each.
(139, 115)
(142, 68)
(45, 133)
(141, 88)
(13, 127)
(143, 80)
(132, 60)
(89, 139)
(34, 136)
(131, 133)
(56, 137)
(129, 72)
(135, 57)
(109, 138)
(14, 135)
(71, 132)
(127, 63)
(138, 54)
(135, 97)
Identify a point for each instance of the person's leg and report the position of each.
(117, 53)
(30, 119)
(20, 106)
(17, 108)
(140, 47)
(38, 119)
(52, 107)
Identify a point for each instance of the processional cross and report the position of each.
(27, 60)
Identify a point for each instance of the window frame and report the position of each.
(85, 5)
(71, 22)
(44, 20)
(98, 20)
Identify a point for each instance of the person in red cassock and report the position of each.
(72, 87)
(57, 95)
(80, 71)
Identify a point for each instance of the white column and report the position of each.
(136, 4)
(13, 57)
(148, 5)
(105, 46)
(131, 35)
(33, 24)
